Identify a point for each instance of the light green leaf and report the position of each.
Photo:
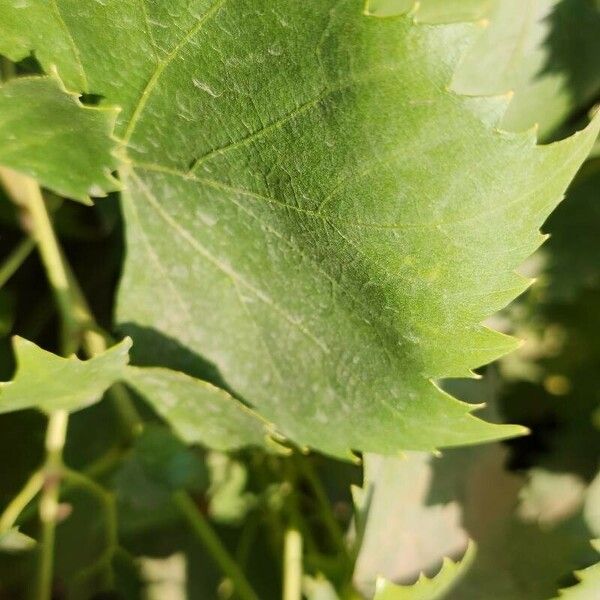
(589, 583)
(428, 589)
(49, 382)
(45, 132)
(199, 412)
(15, 541)
(296, 201)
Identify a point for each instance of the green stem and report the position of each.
(15, 259)
(213, 544)
(333, 527)
(292, 565)
(18, 504)
(49, 504)
(25, 192)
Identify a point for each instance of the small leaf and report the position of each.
(46, 133)
(49, 382)
(428, 589)
(15, 541)
(199, 412)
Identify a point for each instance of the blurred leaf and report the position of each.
(550, 497)
(36, 114)
(317, 588)
(404, 535)
(49, 382)
(592, 506)
(554, 387)
(588, 587)
(428, 589)
(165, 578)
(229, 500)
(198, 411)
(158, 465)
(545, 51)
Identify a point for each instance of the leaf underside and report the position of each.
(308, 207)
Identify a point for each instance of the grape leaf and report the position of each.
(589, 583)
(199, 412)
(297, 180)
(45, 132)
(49, 382)
(424, 588)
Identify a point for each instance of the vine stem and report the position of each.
(26, 193)
(333, 527)
(15, 259)
(21, 500)
(213, 544)
(292, 565)
(49, 504)
(78, 326)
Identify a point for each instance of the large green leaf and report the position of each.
(49, 382)
(48, 134)
(310, 208)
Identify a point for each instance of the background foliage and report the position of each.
(174, 487)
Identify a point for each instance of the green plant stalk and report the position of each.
(15, 259)
(213, 544)
(292, 565)
(331, 524)
(26, 193)
(18, 504)
(49, 504)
